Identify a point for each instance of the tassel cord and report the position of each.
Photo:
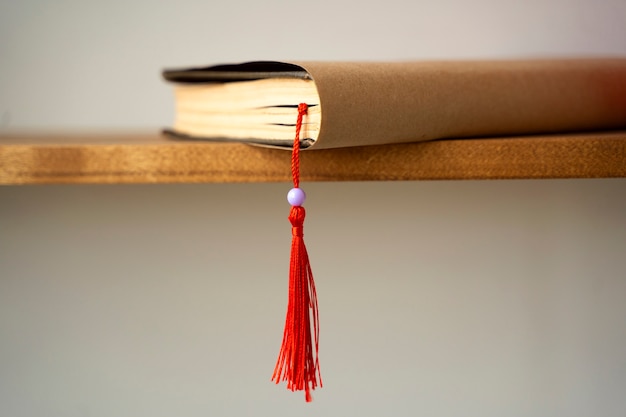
(298, 362)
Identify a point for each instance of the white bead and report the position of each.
(296, 197)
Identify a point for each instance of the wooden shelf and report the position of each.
(152, 158)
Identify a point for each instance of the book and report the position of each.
(373, 103)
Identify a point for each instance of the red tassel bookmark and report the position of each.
(298, 358)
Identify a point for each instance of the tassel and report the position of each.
(298, 358)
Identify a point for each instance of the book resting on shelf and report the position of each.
(371, 103)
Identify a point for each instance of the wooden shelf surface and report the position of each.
(110, 158)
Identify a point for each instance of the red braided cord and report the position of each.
(295, 154)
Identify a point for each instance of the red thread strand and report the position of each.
(298, 362)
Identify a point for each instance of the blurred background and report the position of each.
(455, 298)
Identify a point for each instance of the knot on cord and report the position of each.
(296, 216)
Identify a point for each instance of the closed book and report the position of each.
(373, 103)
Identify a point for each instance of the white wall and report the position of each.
(493, 298)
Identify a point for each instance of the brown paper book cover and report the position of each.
(373, 103)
